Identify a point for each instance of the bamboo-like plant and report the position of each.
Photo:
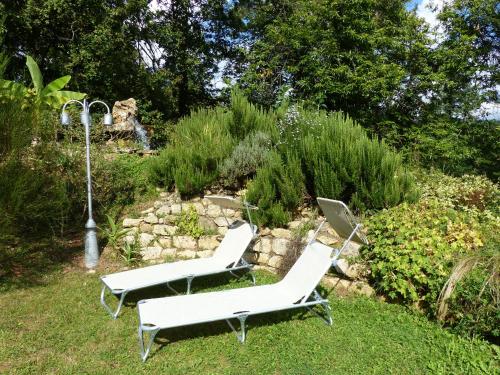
(50, 96)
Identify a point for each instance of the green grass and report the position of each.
(58, 326)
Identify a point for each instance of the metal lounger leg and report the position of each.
(242, 334)
(171, 288)
(189, 280)
(152, 335)
(250, 272)
(114, 314)
(328, 319)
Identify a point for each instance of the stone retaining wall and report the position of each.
(158, 237)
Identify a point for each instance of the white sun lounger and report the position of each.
(296, 290)
(228, 257)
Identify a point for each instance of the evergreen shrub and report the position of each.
(246, 158)
(199, 144)
(278, 189)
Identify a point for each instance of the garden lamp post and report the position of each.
(91, 248)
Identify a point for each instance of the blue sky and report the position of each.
(412, 3)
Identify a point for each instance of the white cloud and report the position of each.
(428, 10)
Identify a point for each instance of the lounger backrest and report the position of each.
(307, 271)
(235, 242)
(341, 219)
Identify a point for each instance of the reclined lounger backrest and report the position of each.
(234, 244)
(307, 271)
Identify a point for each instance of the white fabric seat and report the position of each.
(226, 258)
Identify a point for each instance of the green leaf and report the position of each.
(56, 85)
(36, 74)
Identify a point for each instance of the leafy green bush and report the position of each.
(277, 189)
(414, 246)
(245, 159)
(43, 181)
(467, 192)
(444, 246)
(456, 146)
(188, 223)
(318, 153)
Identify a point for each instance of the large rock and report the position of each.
(151, 219)
(204, 253)
(263, 258)
(280, 246)
(145, 239)
(187, 254)
(151, 252)
(129, 223)
(266, 246)
(281, 233)
(200, 209)
(164, 230)
(184, 242)
(175, 209)
(207, 224)
(165, 242)
(163, 211)
(213, 211)
(275, 261)
(208, 242)
(124, 114)
(146, 228)
(222, 222)
(327, 239)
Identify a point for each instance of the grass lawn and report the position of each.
(58, 326)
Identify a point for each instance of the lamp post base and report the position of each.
(91, 248)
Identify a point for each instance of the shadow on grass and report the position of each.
(199, 285)
(179, 334)
(214, 283)
(26, 265)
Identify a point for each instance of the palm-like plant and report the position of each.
(50, 96)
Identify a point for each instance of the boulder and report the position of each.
(163, 210)
(164, 230)
(204, 253)
(176, 209)
(151, 252)
(208, 242)
(165, 242)
(151, 219)
(280, 246)
(275, 261)
(281, 233)
(222, 222)
(124, 114)
(184, 242)
(146, 228)
(207, 224)
(187, 254)
(129, 223)
(145, 239)
(213, 211)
